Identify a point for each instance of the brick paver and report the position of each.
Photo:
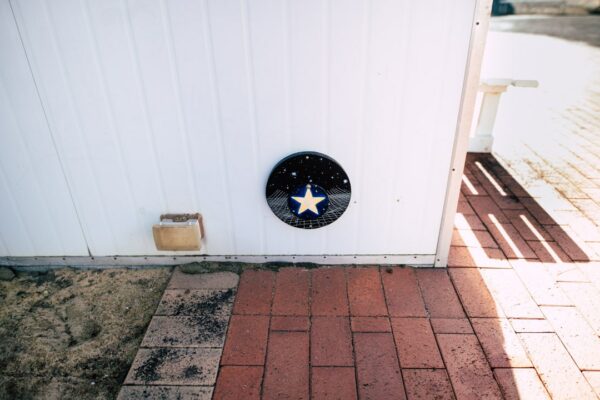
(187, 302)
(500, 343)
(377, 368)
(531, 326)
(365, 293)
(523, 222)
(567, 243)
(331, 342)
(593, 378)
(474, 293)
(439, 294)
(291, 292)
(566, 272)
(468, 222)
(246, 340)
(180, 353)
(578, 337)
(508, 290)
(549, 251)
(541, 284)
(476, 257)
(216, 280)
(370, 324)
(300, 324)
(470, 238)
(333, 383)
(591, 270)
(402, 293)
(255, 293)
(174, 366)
(425, 384)
(165, 392)
(470, 374)
(486, 208)
(415, 343)
(587, 299)
(329, 292)
(287, 368)
(509, 239)
(451, 325)
(558, 372)
(520, 384)
(236, 382)
(188, 331)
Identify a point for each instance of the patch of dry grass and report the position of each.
(72, 334)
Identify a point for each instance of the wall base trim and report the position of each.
(420, 260)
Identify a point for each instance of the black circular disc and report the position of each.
(308, 190)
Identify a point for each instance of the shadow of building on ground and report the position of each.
(518, 274)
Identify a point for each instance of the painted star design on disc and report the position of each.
(308, 190)
(308, 202)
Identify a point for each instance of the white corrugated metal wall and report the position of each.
(114, 111)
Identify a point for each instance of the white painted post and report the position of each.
(492, 89)
(483, 139)
(479, 30)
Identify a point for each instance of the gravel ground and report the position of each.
(72, 334)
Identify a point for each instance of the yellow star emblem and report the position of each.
(308, 202)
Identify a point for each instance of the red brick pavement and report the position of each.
(512, 317)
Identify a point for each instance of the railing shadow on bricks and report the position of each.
(497, 219)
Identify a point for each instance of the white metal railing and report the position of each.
(492, 89)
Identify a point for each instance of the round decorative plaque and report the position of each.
(308, 190)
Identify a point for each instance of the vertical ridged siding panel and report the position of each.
(176, 106)
(36, 211)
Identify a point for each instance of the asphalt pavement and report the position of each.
(584, 28)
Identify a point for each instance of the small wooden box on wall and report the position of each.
(178, 232)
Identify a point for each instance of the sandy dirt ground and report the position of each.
(68, 334)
